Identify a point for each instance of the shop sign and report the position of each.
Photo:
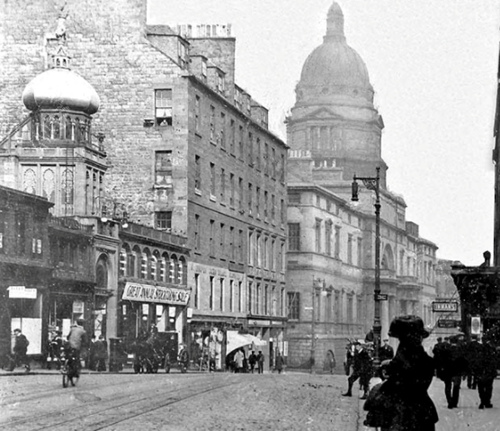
(158, 294)
(445, 306)
(78, 307)
(259, 322)
(21, 292)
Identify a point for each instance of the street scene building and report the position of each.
(142, 136)
(334, 133)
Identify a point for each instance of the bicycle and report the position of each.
(70, 368)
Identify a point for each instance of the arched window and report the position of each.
(78, 130)
(101, 274)
(57, 128)
(69, 128)
(47, 128)
(183, 270)
(163, 268)
(153, 266)
(123, 263)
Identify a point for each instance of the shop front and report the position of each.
(147, 307)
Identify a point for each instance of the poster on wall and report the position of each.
(32, 329)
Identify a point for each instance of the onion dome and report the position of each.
(60, 87)
(334, 67)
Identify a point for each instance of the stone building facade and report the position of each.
(187, 151)
(334, 132)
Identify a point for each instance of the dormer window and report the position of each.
(182, 55)
(204, 72)
(220, 83)
(163, 107)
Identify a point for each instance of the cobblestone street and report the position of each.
(202, 401)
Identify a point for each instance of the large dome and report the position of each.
(334, 67)
(61, 88)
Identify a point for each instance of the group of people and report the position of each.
(401, 401)
(77, 341)
(239, 363)
(457, 360)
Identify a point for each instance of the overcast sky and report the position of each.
(433, 65)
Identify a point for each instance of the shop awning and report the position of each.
(236, 340)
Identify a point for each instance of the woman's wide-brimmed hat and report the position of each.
(404, 326)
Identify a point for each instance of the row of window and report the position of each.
(228, 295)
(58, 127)
(24, 238)
(245, 197)
(266, 252)
(155, 266)
(335, 307)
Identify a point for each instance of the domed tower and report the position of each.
(57, 157)
(334, 129)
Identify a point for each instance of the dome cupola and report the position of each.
(60, 87)
(334, 68)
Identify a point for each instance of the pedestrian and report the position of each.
(452, 365)
(361, 369)
(375, 406)
(386, 351)
(92, 359)
(21, 344)
(54, 354)
(101, 354)
(485, 370)
(279, 363)
(238, 361)
(260, 362)
(403, 398)
(472, 353)
(252, 360)
(331, 362)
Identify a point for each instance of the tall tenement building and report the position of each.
(176, 146)
(334, 132)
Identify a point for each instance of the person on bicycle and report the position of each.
(77, 338)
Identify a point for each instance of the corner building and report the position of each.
(188, 152)
(334, 132)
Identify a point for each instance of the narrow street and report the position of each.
(203, 401)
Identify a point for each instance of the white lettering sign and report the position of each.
(156, 294)
(21, 292)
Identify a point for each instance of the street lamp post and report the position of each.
(373, 183)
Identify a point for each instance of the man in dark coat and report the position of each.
(485, 371)
(386, 351)
(361, 369)
(101, 353)
(252, 360)
(410, 374)
(20, 349)
(452, 365)
(472, 350)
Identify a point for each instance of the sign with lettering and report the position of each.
(448, 323)
(445, 306)
(21, 292)
(156, 294)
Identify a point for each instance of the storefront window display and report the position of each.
(207, 348)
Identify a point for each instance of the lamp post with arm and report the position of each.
(373, 183)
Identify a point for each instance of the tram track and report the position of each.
(101, 413)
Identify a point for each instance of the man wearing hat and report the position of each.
(361, 369)
(410, 374)
(20, 349)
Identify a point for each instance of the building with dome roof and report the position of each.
(334, 132)
(188, 155)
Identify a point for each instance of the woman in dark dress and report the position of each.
(410, 374)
